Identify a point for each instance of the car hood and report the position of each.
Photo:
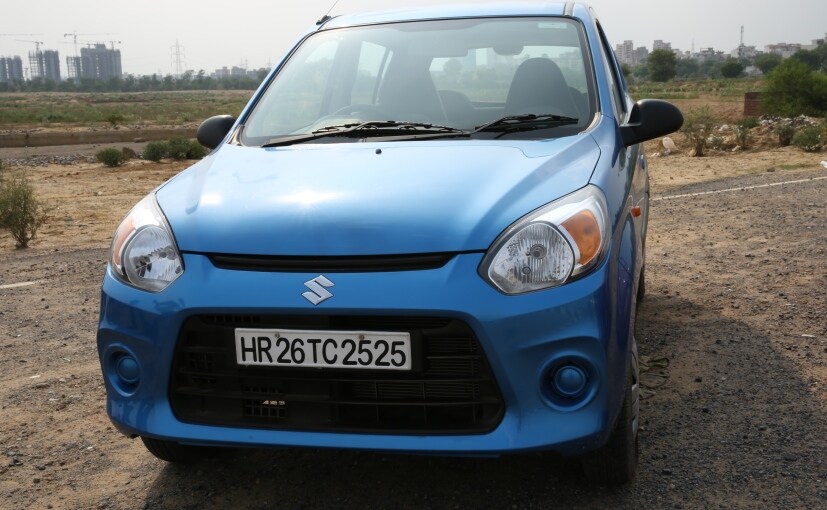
(369, 198)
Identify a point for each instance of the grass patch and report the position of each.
(86, 109)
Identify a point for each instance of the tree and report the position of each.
(661, 65)
(687, 67)
(793, 89)
(731, 68)
(809, 58)
(767, 62)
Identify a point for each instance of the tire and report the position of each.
(641, 286)
(615, 463)
(176, 453)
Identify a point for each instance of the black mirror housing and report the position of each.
(213, 130)
(649, 119)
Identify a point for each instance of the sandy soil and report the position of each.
(733, 326)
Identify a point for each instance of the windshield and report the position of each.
(460, 74)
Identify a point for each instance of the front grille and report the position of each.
(450, 390)
(365, 264)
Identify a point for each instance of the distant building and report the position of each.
(100, 63)
(237, 72)
(661, 45)
(745, 52)
(625, 52)
(816, 43)
(783, 49)
(641, 54)
(222, 73)
(11, 69)
(73, 67)
(51, 61)
(628, 54)
(45, 64)
(709, 55)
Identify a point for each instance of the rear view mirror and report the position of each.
(650, 118)
(213, 130)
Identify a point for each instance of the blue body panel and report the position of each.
(513, 330)
(347, 199)
(344, 199)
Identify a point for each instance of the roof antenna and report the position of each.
(327, 16)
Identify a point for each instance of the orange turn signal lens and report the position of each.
(585, 231)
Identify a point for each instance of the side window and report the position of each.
(612, 71)
(373, 60)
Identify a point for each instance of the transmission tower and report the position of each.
(178, 59)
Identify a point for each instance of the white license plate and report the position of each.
(375, 350)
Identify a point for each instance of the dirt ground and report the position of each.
(733, 327)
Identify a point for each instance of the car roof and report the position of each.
(455, 11)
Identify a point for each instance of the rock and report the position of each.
(129, 153)
(693, 153)
(669, 144)
(824, 164)
(139, 140)
(771, 169)
(737, 148)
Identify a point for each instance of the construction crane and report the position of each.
(111, 43)
(76, 64)
(36, 43)
(75, 35)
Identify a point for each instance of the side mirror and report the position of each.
(650, 118)
(213, 130)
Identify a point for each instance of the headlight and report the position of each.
(550, 246)
(143, 251)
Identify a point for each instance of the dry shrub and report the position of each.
(698, 125)
(20, 211)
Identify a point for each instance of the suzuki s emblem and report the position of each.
(318, 290)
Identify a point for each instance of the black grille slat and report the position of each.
(450, 390)
(363, 264)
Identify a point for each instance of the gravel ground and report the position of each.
(59, 154)
(733, 328)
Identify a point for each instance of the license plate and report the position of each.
(375, 350)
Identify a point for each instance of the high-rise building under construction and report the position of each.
(45, 64)
(11, 69)
(99, 62)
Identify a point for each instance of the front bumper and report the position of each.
(523, 338)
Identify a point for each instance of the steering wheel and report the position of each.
(357, 108)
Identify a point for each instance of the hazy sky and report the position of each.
(257, 32)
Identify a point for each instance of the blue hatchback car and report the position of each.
(425, 233)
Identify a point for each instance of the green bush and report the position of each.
(698, 124)
(115, 119)
(111, 157)
(156, 151)
(196, 150)
(20, 211)
(731, 68)
(178, 148)
(793, 89)
(785, 134)
(809, 139)
(742, 128)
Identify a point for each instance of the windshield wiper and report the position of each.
(369, 129)
(527, 122)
